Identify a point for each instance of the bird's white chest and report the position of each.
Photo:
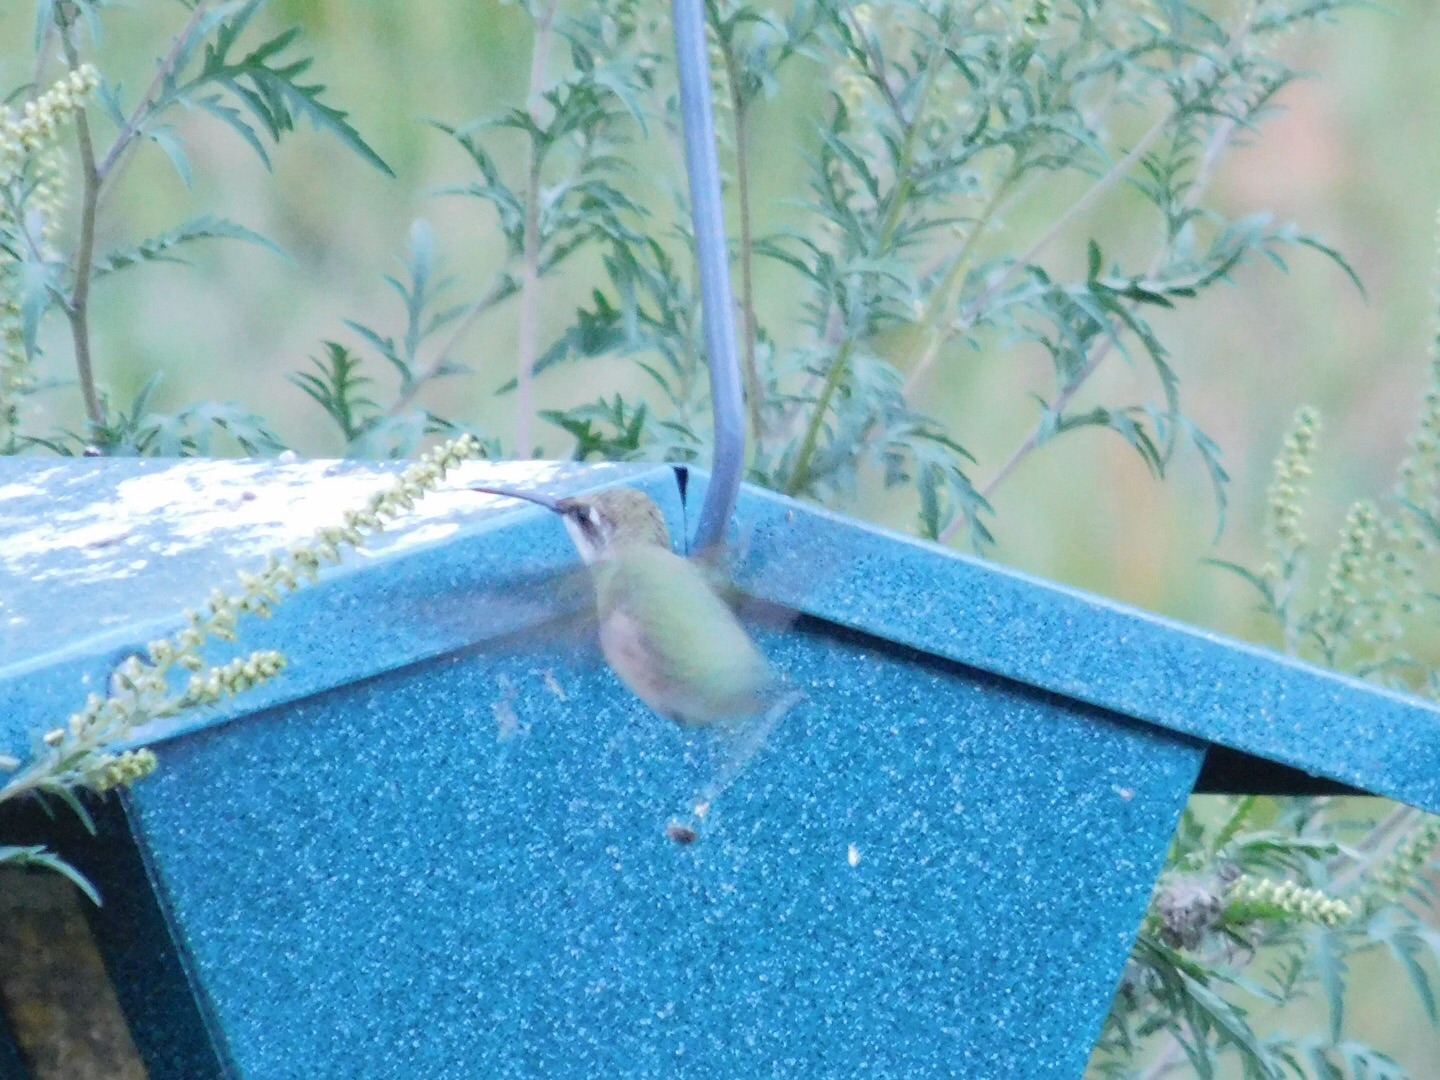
(629, 652)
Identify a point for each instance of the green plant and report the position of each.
(255, 90)
(340, 387)
(926, 233)
(1265, 902)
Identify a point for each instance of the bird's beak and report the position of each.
(528, 496)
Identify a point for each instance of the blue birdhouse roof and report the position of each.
(435, 846)
(99, 557)
(1181, 678)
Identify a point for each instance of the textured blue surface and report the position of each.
(1083, 647)
(410, 857)
(388, 886)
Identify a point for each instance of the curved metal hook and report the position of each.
(708, 214)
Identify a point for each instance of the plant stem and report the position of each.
(77, 309)
(877, 61)
(1164, 1063)
(145, 106)
(1219, 139)
(42, 47)
(1347, 870)
(1010, 194)
(1117, 172)
(93, 176)
(738, 109)
(1215, 147)
(498, 291)
(800, 475)
(1344, 869)
(530, 264)
(941, 295)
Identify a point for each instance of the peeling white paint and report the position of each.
(17, 491)
(425, 534)
(242, 507)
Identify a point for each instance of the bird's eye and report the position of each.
(587, 521)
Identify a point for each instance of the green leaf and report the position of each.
(1366, 1063)
(41, 285)
(391, 438)
(44, 859)
(160, 248)
(1407, 946)
(107, 96)
(52, 13)
(1327, 957)
(339, 389)
(164, 137)
(370, 431)
(1323, 1067)
(1240, 813)
(1219, 478)
(234, 119)
(191, 432)
(265, 84)
(606, 430)
(1120, 421)
(70, 796)
(1210, 1012)
(1305, 240)
(1427, 520)
(1261, 585)
(1281, 851)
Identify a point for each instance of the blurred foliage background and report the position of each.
(1352, 157)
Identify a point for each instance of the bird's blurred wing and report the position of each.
(716, 563)
(518, 612)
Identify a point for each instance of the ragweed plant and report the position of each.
(49, 266)
(1262, 904)
(926, 235)
(921, 236)
(339, 384)
(1369, 613)
(31, 198)
(88, 753)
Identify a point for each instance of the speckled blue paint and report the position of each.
(389, 887)
(1080, 646)
(416, 857)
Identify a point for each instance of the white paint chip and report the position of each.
(245, 508)
(19, 491)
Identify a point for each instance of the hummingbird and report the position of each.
(667, 632)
